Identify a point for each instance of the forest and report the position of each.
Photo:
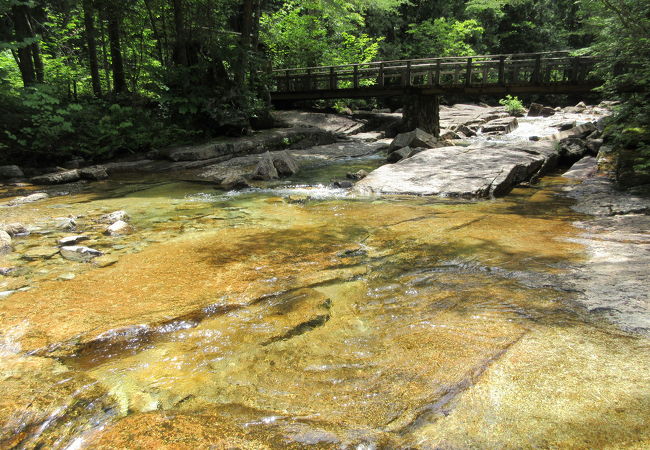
(98, 79)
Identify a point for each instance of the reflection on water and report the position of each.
(294, 315)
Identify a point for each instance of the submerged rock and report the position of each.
(66, 223)
(118, 228)
(28, 199)
(115, 216)
(5, 243)
(36, 253)
(71, 240)
(14, 229)
(79, 253)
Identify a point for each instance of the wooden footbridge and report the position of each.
(534, 73)
(421, 81)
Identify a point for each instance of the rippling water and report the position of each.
(296, 315)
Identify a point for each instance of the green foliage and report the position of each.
(51, 130)
(623, 45)
(299, 36)
(443, 37)
(513, 105)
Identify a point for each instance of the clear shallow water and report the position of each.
(296, 315)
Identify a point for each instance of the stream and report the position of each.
(295, 315)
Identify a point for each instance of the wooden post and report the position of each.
(468, 72)
(308, 87)
(382, 77)
(421, 111)
(356, 76)
(484, 75)
(438, 69)
(574, 70)
(502, 70)
(333, 83)
(287, 82)
(538, 69)
(406, 77)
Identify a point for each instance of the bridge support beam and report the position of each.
(423, 112)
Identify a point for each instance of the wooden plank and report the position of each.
(333, 83)
(382, 77)
(356, 76)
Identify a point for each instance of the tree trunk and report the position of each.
(180, 46)
(89, 21)
(102, 35)
(39, 69)
(119, 77)
(22, 30)
(245, 42)
(156, 33)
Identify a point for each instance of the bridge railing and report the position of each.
(481, 70)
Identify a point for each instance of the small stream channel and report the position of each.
(296, 315)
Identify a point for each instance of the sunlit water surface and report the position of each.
(295, 314)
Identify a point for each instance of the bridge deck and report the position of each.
(550, 72)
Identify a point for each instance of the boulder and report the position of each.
(342, 184)
(581, 131)
(467, 131)
(535, 110)
(118, 228)
(14, 229)
(285, 164)
(415, 138)
(79, 253)
(234, 182)
(593, 145)
(96, 173)
(547, 111)
(567, 125)
(572, 149)
(71, 240)
(449, 134)
(28, 199)
(113, 217)
(5, 243)
(9, 172)
(399, 155)
(265, 169)
(356, 176)
(504, 125)
(582, 169)
(482, 170)
(67, 176)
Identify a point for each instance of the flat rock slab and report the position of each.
(229, 147)
(333, 123)
(479, 171)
